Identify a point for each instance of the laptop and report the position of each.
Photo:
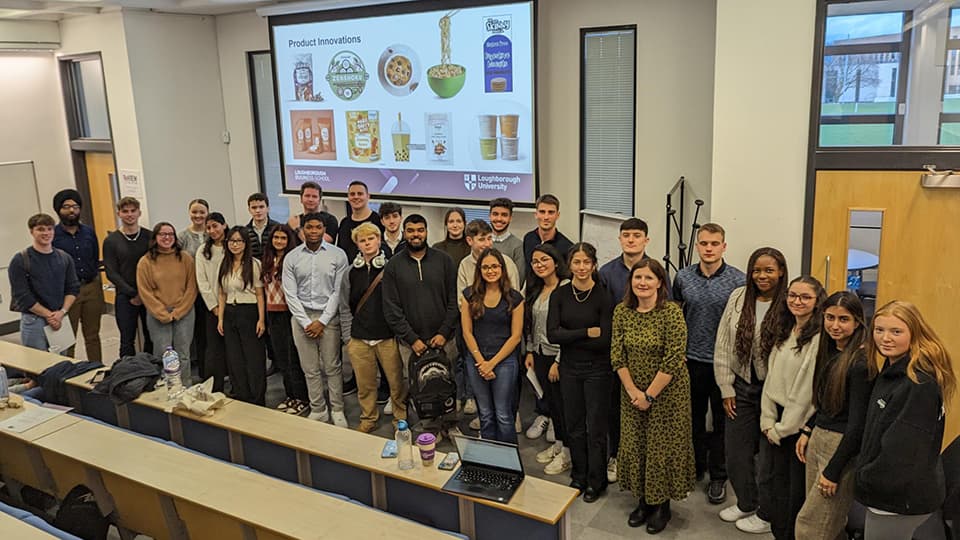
(488, 469)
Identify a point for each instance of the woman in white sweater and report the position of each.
(787, 401)
(209, 256)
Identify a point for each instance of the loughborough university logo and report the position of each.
(470, 181)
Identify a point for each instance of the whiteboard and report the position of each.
(19, 199)
(603, 231)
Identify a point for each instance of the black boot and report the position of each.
(640, 514)
(658, 520)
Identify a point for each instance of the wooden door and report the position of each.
(100, 178)
(918, 258)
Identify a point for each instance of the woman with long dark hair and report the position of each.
(579, 321)
(548, 270)
(282, 240)
(241, 318)
(209, 257)
(787, 401)
(491, 315)
(746, 334)
(454, 242)
(168, 287)
(831, 438)
(899, 474)
(655, 459)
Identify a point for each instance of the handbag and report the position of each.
(369, 292)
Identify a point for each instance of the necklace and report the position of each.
(576, 294)
(135, 237)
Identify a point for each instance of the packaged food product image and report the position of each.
(303, 79)
(363, 136)
(439, 130)
(346, 75)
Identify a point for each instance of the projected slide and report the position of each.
(430, 105)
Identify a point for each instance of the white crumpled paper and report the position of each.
(201, 399)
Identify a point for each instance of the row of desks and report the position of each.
(168, 492)
(322, 456)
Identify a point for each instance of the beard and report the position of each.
(70, 221)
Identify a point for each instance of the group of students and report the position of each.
(629, 364)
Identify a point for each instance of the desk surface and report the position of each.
(269, 503)
(54, 424)
(11, 527)
(536, 499)
(32, 361)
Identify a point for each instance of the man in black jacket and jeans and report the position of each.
(122, 250)
(420, 295)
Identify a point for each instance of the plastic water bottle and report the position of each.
(404, 446)
(171, 373)
(4, 387)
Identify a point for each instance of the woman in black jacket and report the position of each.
(899, 476)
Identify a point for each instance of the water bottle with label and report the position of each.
(404, 446)
(4, 387)
(171, 373)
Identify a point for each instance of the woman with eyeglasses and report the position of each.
(208, 258)
(579, 321)
(830, 441)
(167, 284)
(787, 401)
(548, 271)
(241, 318)
(491, 315)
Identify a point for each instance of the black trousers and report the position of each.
(586, 405)
(128, 317)
(743, 443)
(246, 354)
(552, 394)
(707, 446)
(788, 486)
(214, 357)
(198, 348)
(285, 355)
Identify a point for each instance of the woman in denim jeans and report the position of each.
(491, 314)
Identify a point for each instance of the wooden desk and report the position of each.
(32, 361)
(11, 527)
(21, 460)
(202, 496)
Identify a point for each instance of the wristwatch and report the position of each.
(649, 398)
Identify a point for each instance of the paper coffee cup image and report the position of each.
(508, 148)
(508, 125)
(488, 148)
(488, 125)
(498, 84)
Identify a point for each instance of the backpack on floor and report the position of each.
(80, 516)
(432, 388)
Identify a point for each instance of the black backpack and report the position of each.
(433, 390)
(80, 516)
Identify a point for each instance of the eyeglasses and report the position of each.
(490, 267)
(236, 241)
(803, 298)
(541, 262)
(165, 235)
(70, 207)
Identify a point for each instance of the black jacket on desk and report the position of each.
(899, 469)
(420, 297)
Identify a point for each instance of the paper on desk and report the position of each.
(532, 376)
(200, 399)
(29, 418)
(60, 340)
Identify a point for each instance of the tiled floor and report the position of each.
(602, 520)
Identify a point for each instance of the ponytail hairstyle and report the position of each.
(208, 245)
(769, 329)
(246, 258)
(590, 252)
(830, 375)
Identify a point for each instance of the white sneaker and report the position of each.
(753, 524)
(612, 470)
(388, 408)
(560, 464)
(732, 514)
(517, 425)
(319, 416)
(551, 452)
(475, 423)
(536, 429)
(470, 407)
(551, 434)
(339, 419)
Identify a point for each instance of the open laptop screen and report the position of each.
(489, 453)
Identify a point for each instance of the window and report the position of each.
(265, 128)
(950, 111)
(608, 119)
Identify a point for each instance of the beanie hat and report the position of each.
(66, 195)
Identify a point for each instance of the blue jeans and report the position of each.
(496, 399)
(177, 334)
(32, 334)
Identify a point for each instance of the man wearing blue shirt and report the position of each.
(312, 275)
(80, 242)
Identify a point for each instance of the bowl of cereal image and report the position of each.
(399, 70)
(446, 80)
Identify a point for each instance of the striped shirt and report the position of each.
(703, 299)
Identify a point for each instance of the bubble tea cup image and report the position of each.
(401, 139)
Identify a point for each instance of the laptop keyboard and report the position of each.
(484, 477)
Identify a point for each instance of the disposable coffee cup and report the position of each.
(488, 125)
(498, 84)
(508, 148)
(427, 443)
(488, 148)
(508, 125)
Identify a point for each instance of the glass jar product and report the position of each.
(303, 77)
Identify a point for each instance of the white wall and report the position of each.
(764, 55)
(174, 68)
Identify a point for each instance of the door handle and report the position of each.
(826, 277)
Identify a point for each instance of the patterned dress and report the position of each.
(655, 460)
